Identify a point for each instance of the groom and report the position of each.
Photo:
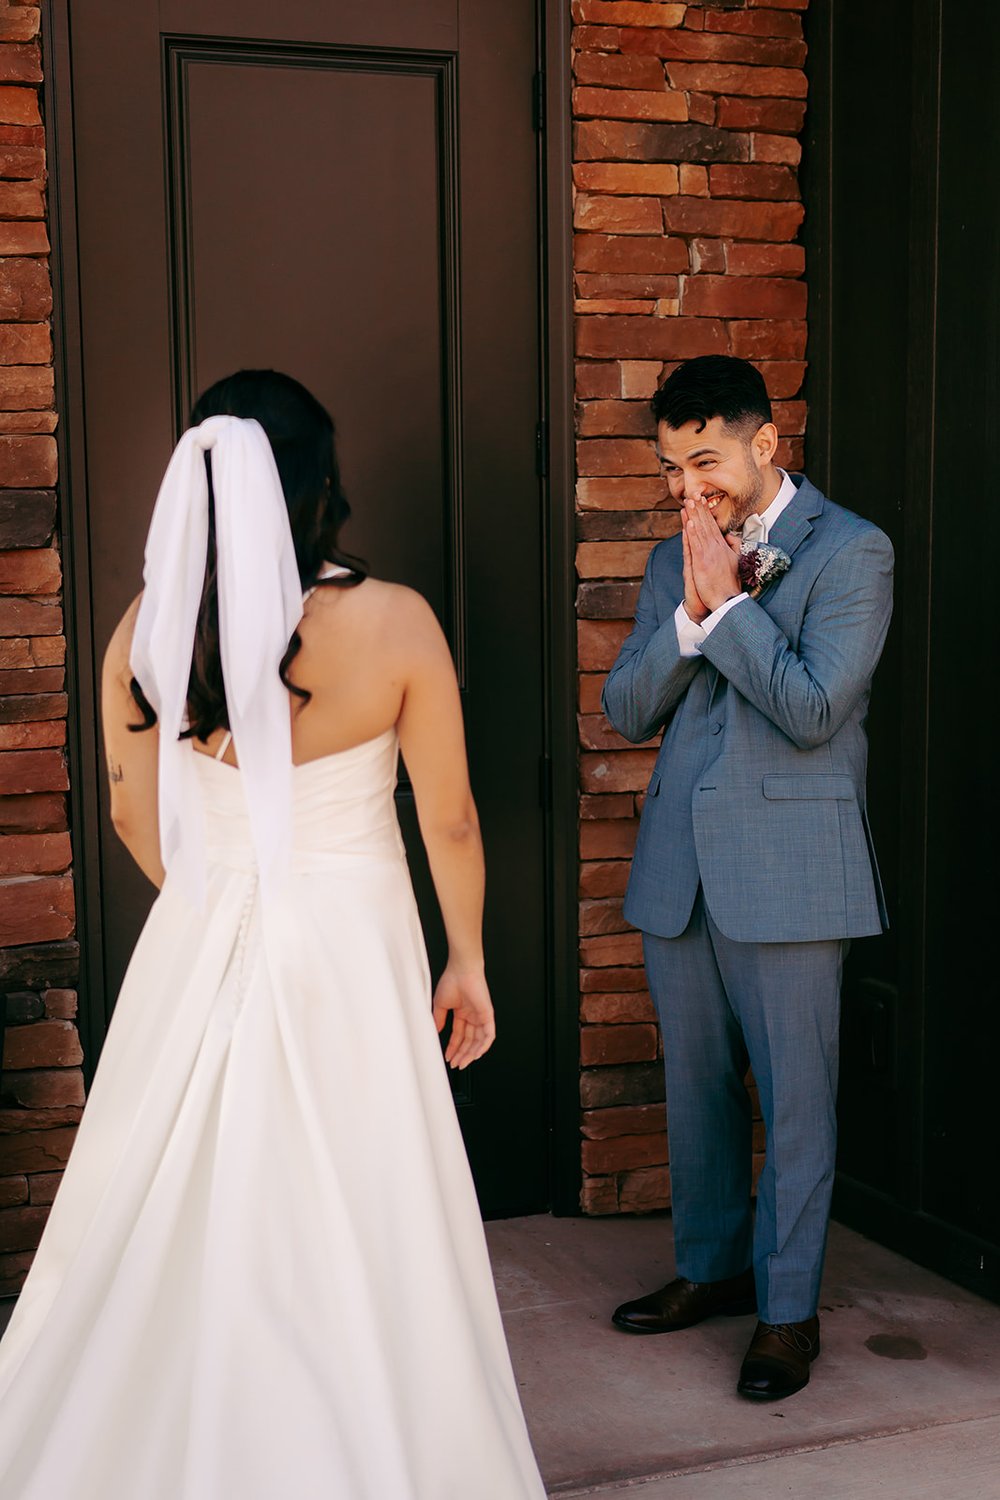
(754, 864)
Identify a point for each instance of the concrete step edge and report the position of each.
(633, 1483)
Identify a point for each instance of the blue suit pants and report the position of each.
(776, 1006)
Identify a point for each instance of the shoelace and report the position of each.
(791, 1337)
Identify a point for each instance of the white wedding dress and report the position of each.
(265, 1275)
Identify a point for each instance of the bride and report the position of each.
(265, 1272)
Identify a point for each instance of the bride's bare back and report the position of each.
(369, 653)
(373, 657)
(361, 647)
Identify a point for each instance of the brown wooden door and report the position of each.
(345, 191)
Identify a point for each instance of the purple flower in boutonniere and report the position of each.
(759, 565)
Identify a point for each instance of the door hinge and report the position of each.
(538, 101)
(542, 450)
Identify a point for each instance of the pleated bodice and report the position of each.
(343, 809)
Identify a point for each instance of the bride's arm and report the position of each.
(432, 741)
(131, 757)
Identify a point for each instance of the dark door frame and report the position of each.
(550, 97)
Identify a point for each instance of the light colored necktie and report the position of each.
(260, 604)
(754, 529)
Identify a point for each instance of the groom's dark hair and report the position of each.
(715, 385)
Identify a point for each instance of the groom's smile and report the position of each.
(716, 464)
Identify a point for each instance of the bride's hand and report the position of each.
(473, 1028)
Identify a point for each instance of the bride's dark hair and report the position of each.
(300, 431)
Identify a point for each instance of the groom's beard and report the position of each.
(745, 502)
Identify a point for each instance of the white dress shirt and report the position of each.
(690, 635)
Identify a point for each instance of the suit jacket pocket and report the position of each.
(808, 787)
(654, 785)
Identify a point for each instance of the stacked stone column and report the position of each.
(42, 1088)
(686, 209)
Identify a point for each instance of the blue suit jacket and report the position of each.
(759, 786)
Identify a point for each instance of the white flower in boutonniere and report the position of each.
(759, 565)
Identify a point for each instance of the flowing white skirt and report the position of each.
(265, 1273)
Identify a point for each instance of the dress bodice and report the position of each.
(342, 808)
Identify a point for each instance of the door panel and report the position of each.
(342, 234)
(903, 423)
(962, 1136)
(347, 192)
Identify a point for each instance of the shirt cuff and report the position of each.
(710, 622)
(689, 635)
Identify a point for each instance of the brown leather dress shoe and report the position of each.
(683, 1303)
(777, 1362)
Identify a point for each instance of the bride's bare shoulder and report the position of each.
(400, 615)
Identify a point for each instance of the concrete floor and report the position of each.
(903, 1402)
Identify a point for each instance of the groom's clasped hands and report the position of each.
(711, 562)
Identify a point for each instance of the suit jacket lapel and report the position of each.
(795, 522)
(794, 525)
(713, 682)
(789, 532)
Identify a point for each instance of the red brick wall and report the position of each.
(686, 211)
(42, 1087)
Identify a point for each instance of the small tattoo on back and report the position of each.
(115, 772)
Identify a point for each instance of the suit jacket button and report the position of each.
(716, 728)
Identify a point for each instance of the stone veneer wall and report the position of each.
(42, 1087)
(686, 210)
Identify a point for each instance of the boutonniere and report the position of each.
(759, 565)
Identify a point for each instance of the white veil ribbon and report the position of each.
(260, 604)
